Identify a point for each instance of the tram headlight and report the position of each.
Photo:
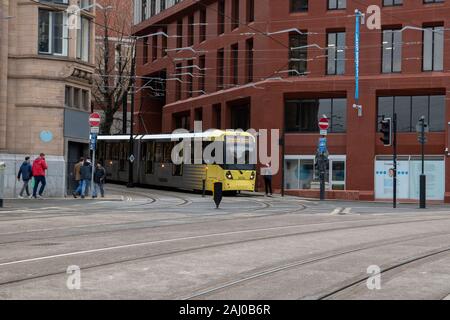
(229, 175)
(252, 176)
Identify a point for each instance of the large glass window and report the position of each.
(336, 53)
(83, 39)
(52, 32)
(410, 109)
(392, 51)
(433, 49)
(298, 57)
(303, 115)
(299, 5)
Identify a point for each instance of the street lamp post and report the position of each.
(131, 141)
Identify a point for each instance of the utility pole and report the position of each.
(422, 128)
(131, 142)
(395, 159)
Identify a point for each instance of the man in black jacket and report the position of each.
(99, 181)
(25, 172)
(86, 175)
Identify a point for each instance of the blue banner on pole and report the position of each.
(357, 37)
(323, 145)
(93, 142)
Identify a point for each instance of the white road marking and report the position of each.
(347, 211)
(336, 211)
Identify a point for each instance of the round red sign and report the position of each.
(324, 124)
(94, 120)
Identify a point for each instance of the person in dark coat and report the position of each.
(99, 181)
(25, 173)
(86, 176)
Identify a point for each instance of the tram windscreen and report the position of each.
(239, 154)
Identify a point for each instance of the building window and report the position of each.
(433, 49)
(53, 33)
(300, 172)
(250, 11)
(201, 81)
(304, 115)
(410, 109)
(179, 34)
(249, 58)
(336, 53)
(390, 3)
(164, 43)
(217, 115)
(392, 51)
(433, 1)
(191, 30)
(154, 48)
(83, 39)
(234, 14)
(337, 4)
(221, 17)
(144, 50)
(234, 64)
(178, 85)
(202, 26)
(220, 68)
(190, 78)
(299, 5)
(298, 57)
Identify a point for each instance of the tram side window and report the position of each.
(177, 170)
(158, 152)
(108, 155)
(123, 152)
(115, 152)
(149, 157)
(168, 152)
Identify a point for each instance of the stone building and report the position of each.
(46, 69)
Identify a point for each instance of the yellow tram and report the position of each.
(154, 164)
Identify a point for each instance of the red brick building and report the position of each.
(243, 68)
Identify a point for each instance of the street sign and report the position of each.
(94, 119)
(93, 142)
(95, 130)
(324, 124)
(323, 132)
(132, 158)
(323, 146)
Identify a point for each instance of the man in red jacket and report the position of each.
(39, 168)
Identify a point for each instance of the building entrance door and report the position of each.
(76, 150)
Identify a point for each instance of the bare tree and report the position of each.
(115, 60)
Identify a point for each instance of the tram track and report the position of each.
(210, 246)
(347, 289)
(203, 294)
(390, 221)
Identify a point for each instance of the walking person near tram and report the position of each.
(38, 170)
(85, 175)
(77, 175)
(99, 181)
(25, 173)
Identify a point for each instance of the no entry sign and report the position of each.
(94, 120)
(324, 124)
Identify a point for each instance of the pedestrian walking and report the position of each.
(77, 175)
(268, 180)
(86, 176)
(25, 173)
(99, 181)
(38, 171)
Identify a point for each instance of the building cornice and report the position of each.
(50, 57)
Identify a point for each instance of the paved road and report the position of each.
(153, 244)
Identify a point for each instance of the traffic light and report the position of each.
(386, 130)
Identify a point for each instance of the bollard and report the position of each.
(218, 187)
